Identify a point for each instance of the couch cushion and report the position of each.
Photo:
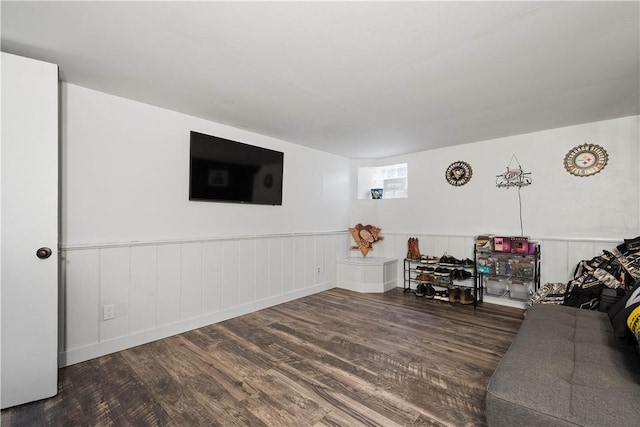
(565, 367)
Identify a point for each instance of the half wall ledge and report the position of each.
(367, 275)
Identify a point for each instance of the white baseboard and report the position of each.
(77, 355)
(504, 301)
(367, 287)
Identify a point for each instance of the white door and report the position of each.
(29, 222)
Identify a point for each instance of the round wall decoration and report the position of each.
(585, 160)
(458, 173)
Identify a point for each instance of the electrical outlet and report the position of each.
(108, 312)
(317, 270)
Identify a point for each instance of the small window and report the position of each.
(384, 182)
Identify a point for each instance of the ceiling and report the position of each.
(354, 78)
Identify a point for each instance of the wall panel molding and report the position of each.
(103, 245)
(167, 287)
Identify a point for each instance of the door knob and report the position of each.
(43, 253)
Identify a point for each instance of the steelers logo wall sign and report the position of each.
(585, 160)
(458, 173)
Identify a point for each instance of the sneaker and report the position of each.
(421, 290)
(464, 275)
(430, 291)
(468, 263)
(466, 297)
(452, 261)
(442, 272)
(454, 294)
(446, 260)
(443, 281)
(429, 259)
(442, 295)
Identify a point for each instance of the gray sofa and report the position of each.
(565, 368)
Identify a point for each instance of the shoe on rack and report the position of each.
(442, 272)
(443, 281)
(445, 260)
(466, 296)
(442, 295)
(450, 261)
(468, 263)
(429, 259)
(430, 291)
(431, 275)
(421, 290)
(454, 294)
(416, 249)
(461, 274)
(464, 275)
(413, 252)
(421, 277)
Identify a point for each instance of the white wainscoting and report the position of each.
(160, 289)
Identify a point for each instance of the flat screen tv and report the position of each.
(222, 170)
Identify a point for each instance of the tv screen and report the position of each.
(222, 170)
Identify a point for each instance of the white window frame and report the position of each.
(393, 179)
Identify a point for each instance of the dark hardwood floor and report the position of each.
(337, 358)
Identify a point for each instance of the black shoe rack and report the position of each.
(448, 272)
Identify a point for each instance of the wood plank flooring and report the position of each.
(337, 358)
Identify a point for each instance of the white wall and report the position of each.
(556, 205)
(131, 238)
(125, 178)
(576, 217)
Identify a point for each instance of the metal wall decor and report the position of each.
(586, 160)
(458, 173)
(513, 177)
